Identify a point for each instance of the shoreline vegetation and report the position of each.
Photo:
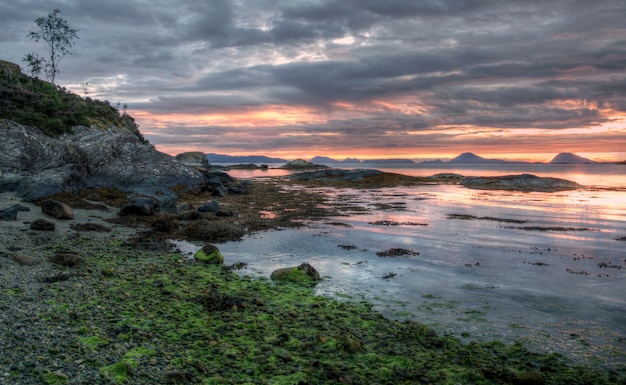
(126, 308)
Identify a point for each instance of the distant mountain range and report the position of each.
(465, 158)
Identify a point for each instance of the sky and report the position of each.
(350, 78)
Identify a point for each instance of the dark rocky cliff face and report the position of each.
(35, 165)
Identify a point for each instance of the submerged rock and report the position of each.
(523, 182)
(303, 274)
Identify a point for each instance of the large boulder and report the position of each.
(36, 165)
(194, 159)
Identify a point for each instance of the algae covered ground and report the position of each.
(135, 316)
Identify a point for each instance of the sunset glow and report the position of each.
(359, 79)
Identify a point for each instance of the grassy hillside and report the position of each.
(53, 109)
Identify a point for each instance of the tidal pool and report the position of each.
(548, 269)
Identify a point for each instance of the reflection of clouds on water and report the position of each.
(475, 276)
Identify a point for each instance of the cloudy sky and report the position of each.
(350, 78)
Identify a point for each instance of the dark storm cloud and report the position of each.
(487, 63)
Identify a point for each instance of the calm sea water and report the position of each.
(548, 269)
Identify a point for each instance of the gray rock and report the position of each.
(141, 209)
(238, 190)
(210, 207)
(42, 225)
(220, 192)
(168, 206)
(194, 159)
(57, 209)
(19, 207)
(153, 203)
(36, 165)
(9, 214)
(214, 182)
(224, 178)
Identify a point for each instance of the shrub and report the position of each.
(53, 109)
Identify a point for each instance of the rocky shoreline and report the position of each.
(119, 306)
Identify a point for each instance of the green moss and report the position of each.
(118, 372)
(209, 254)
(140, 352)
(92, 342)
(55, 378)
(150, 315)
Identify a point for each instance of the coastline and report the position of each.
(136, 312)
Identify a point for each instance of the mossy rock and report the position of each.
(209, 254)
(303, 274)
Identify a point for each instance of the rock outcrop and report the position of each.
(301, 164)
(36, 165)
(194, 159)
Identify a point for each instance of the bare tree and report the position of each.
(58, 38)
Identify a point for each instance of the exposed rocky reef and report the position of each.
(334, 175)
(523, 182)
(369, 178)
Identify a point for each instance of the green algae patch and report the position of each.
(118, 372)
(209, 254)
(165, 319)
(55, 378)
(92, 342)
(303, 274)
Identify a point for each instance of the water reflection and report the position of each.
(487, 276)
